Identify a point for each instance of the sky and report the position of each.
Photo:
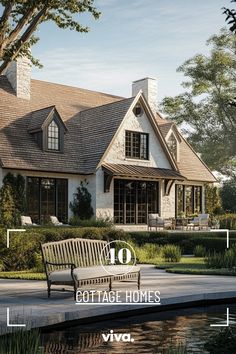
(132, 39)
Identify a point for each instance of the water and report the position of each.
(151, 333)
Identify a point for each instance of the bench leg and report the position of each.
(110, 284)
(49, 289)
(75, 289)
(139, 280)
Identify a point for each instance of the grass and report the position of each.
(24, 274)
(192, 265)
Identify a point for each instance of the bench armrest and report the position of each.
(72, 265)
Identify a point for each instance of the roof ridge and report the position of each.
(107, 104)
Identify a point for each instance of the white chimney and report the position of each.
(19, 76)
(149, 88)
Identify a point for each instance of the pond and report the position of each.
(152, 333)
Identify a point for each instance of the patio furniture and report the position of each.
(76, 263)
(27, 221)
(154, 220)
(201, 221)
(54, 220)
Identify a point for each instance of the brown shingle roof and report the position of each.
(18, 148)
(121, 170)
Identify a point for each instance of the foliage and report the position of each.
(81, 205)
(20, 342)
(93, 222)
(148, 253)
(21, 19)
(222, 342)
(7, 206)
(228, 195)
(227, 221)
(12, 199)
(179, 348)
(205, 107)
(231, 17)
(213, 201)
(171, 253)
(199, 251)
(226, 259)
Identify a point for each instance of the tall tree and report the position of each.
(206, 107)
(231, 17)
(21, 18)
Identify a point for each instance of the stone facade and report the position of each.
(19, 76)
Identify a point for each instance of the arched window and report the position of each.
(172, 144)
(53, 136)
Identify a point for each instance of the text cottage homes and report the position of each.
(135, 162)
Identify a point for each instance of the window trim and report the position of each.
(132, 146)
(58, 138)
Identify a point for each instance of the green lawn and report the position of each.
(192, 265)
(24, 274)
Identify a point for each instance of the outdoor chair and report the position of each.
(154, 220)
(54, 220)
(27, 221)
(201, 221)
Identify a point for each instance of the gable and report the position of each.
(158, 153)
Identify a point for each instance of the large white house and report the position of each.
(134, 161)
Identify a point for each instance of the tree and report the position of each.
(7, 206)
(81, 205)
(205, 107)
(228, 195)
(213, 201)
(231, 17)
(21, 18)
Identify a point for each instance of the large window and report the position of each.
(188, 200)
(47, 197)
(53, 136)
(134, 200)
(172, 144)
(136, 145)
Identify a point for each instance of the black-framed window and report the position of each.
(188, 200)
(134, 200)
(136, 145)
(53, 136)
(172, 144)
(47, 197)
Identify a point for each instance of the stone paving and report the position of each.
(28, 303)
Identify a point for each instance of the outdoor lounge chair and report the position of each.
(54, 220)
(154, 220)
(201, 221)
(27, 221)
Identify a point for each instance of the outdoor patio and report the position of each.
(28, 303)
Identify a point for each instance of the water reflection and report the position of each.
(152, 333)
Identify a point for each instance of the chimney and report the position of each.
(149, 88)
(19, 76)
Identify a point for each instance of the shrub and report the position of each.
(81, 205)
(147, 253)
(21, 342)
(226, 259)
(199, 251)
(227, 221)
(171, 253)
(228, 195)
(93, 222)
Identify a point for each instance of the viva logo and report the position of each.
(117, 337)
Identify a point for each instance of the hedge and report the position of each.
(27, 255)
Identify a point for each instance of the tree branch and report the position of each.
(4, 22)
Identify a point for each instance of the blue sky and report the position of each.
(132, 39)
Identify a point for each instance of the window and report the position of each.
(136, 145)
(47, 197)
(172, 144)
(134, 200)
(53, 136)
(138, 111)
(188, 200)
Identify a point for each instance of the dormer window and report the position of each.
(172, 144)
(48, 129)
(53, 136)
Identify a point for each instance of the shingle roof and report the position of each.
(38, 118)
(122, 170)
(15, 118)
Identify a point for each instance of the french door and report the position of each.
(134, 200)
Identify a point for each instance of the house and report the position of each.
(133, 161)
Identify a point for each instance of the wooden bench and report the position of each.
(77, 262)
